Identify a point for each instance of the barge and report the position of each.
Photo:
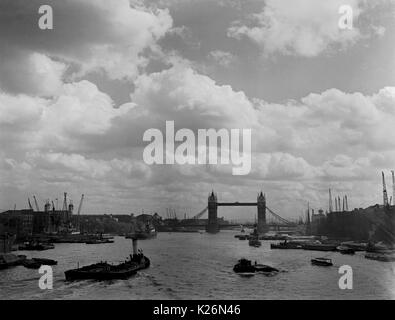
(106, 271)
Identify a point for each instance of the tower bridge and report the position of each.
(262, 225)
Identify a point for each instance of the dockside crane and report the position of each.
(200, 214)
(385, 195)
(30, 205)
(393, 187)
(345, 197)
(64, 202)
(35, 202)
(79, 211)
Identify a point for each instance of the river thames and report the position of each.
(199, 266)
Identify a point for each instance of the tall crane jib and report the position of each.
(64, 202)
(79, 211)
(385, 195)
(30, 205)
(200, 214)
(393, 187)
(36, 204)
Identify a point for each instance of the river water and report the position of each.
(199, 266)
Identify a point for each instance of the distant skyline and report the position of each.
(76, 100)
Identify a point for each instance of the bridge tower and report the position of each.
(261, 204)
(212, 225)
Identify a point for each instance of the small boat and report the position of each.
(148, 232)
(11, 260)
(357, 246)
(36, 263)
(254, 242)
(286, 245)
(380, 257)
(273, 237)
(46, 262)
(345, 250)
(322, 262)
(379, 248)
(106, 271)
(31, 264)
(36, 246)
(243, 237)
(319, 247)
(99, 241)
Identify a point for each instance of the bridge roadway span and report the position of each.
(237, 204)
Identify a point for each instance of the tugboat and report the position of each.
(245, 267)
(254, 242)
(106, 271)
(322, 262)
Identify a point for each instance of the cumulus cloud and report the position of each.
(305, 28)
(91, 36)
(223, 58)
(79, 136)
(330, 122)
(32, 73)
(192, 100)
(66, 121)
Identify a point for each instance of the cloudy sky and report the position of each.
(76, 100)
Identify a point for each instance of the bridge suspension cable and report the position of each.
(285, 221)
(200, 213)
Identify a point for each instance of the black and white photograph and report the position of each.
(190, 150)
